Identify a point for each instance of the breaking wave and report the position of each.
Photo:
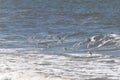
(31, 64)
(106, 42)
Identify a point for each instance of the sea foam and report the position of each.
(36, 65)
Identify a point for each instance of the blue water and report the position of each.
(27, 23)
(54, 38)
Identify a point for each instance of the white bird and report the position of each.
(100, 42)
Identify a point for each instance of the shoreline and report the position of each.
(29, 65)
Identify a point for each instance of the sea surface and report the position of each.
(67, 39)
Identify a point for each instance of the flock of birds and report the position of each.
(92, 43)
(46, 40)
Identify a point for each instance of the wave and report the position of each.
(24, 63)
(101, 42)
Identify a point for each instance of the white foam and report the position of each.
(32, 66)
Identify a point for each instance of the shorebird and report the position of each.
(46, 41)
(90, 53)
(100, 43)
(62, 38)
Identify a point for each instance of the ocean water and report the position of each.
(54, 38)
